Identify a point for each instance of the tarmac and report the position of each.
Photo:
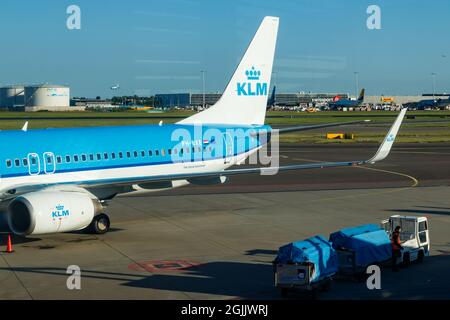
(218, 242)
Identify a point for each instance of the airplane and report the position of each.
(346, 103)
(115, 87)
(432, 103)
(61, 180)
(271, 100)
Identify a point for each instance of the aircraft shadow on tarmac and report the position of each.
(15, 239)
(423, 211)
(225, 278)
(85, 231)
(443, 208)
(255, 281)
(257, 252)
(429, 280)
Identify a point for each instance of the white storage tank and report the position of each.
(11, 96)
(46, 95)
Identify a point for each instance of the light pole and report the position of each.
(356, 83)
(203, 81)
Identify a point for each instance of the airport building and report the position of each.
(36, 98)
(188, 100)
(12, 96)
(288, 100)
(173, 100)
(92, 103)
(47, 97)
(376, 100)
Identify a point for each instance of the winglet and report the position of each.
(385, 148)
(25, 127)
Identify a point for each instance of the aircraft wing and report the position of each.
(326, 125)
(382, 153)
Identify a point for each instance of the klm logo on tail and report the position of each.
(252, 87)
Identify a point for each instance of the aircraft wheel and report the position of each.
(100, 224)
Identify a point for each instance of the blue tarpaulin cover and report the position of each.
(370, 243)
(316, 250)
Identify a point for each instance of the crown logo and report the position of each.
(252, 74)
(59, 207)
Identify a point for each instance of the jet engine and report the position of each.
(51, 212)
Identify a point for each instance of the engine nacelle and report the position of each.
(45, 212)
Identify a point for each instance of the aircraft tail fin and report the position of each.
(271, 101)
(244, 100)
(361, 95)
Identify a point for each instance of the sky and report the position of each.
(151, 47)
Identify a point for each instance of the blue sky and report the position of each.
(161, 46)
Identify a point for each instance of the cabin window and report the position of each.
(175, 151)
(75, 158)
(8, 163)
(156, 152)
(99, 156)
(163, 152)
(67, 159)
(83, 157)
(143, 153)
(25, 162)
(49, 159)
(113, 155)
(169, 151)
(120, 155)
(135, 153)
(128, 154)
(17, 162)
(33, 161)
(91, 157)
(105, 155)
(150, 153)
(58, 159)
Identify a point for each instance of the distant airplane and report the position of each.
(432, 103)
(271, 100)
(116, 87)
(346, 103)
(61, 180)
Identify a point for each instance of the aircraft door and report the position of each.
(49, 163)
(34, 165)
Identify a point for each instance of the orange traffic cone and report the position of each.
(9, 248)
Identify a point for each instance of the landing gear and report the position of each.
(100, 224)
